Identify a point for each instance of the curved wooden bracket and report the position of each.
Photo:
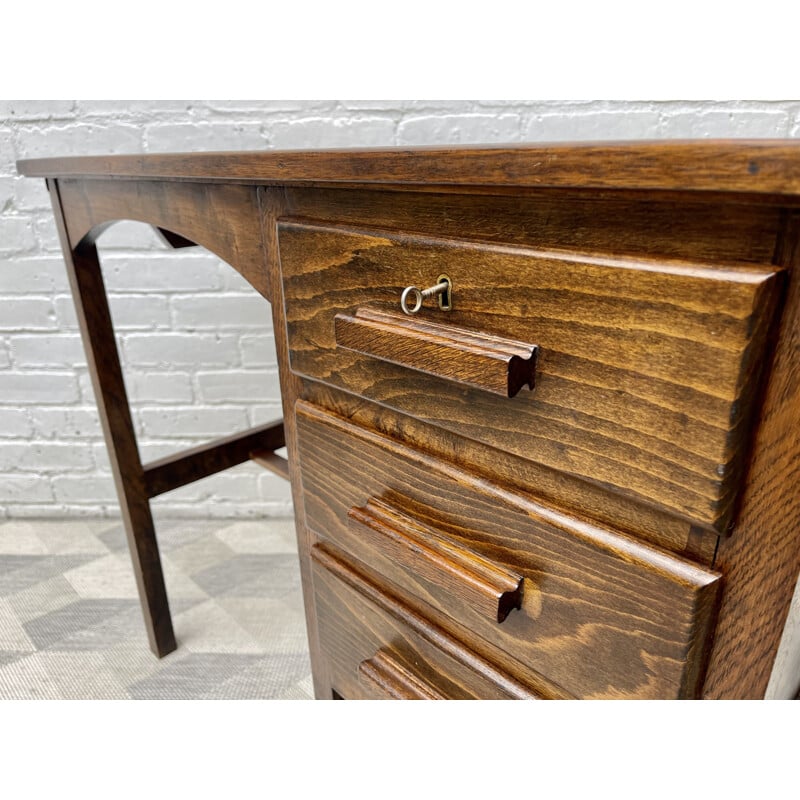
(224, 219)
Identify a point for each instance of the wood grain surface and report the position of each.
(187, 466)
(761, 560)
(271, 207)
(273, 462)
(584, 586)
(223, 219)
(747, 166)
(492, 363)
(386, 679)
(359, 619)
(579, 499)
(646, 369)
(713, 232)
(649, 273)
(97, 332)
(446, 567)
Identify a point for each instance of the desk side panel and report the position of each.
(761, 559)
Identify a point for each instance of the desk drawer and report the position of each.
(377, 649)
(644, 372)
(597, 613)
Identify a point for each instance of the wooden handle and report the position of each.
(385, 678)
(498, 365)
(448, 567)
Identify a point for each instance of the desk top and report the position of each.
(763, 166)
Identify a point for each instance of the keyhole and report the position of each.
(446, 297)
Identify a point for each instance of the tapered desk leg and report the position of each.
(97, 331)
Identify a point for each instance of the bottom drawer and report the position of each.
(379, 649)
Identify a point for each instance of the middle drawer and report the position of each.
(595, 612)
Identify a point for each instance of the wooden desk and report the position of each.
(580, 480)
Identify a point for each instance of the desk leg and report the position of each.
(97, 331)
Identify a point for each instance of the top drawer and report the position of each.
(645, 371)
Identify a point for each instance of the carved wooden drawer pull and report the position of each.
(493, 363)
(384, 677)
(490, 589)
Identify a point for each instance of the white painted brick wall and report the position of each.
(195, 339)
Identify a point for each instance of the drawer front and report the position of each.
(596, 613)
(377, 649)
(637, 375)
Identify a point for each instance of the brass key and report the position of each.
(442, 289)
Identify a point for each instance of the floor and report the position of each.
(71, 627)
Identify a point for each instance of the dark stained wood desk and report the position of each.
(567, 469)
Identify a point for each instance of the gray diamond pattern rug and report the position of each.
(71, 625)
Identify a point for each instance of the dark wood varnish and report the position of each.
(579, 499)
(447, 567)
(645, 374)
(272, 462)
(655, 225)
(492, 363)
(223, 219)
(272, 207)
(582, 584)
(357, 618)
(97, 331)
(631, 520)
(383, 677)
(746, 166)
(761, 560)
(176, 470)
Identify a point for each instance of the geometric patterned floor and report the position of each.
(71, 626)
